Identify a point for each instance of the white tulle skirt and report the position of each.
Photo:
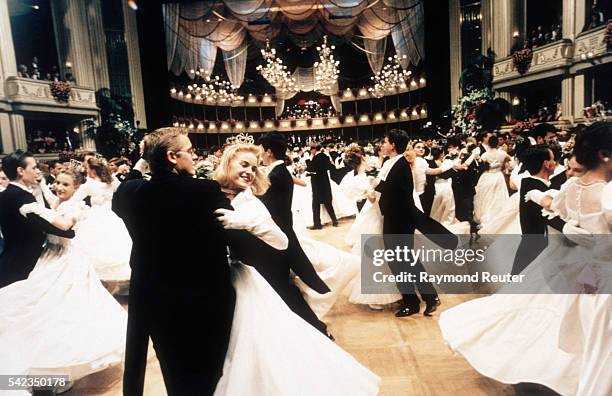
(60, 320)
(368, 221)
(443, 206)
(491, 196)
(103, 238)
(563, 341)
(273, 352)
(337, 268)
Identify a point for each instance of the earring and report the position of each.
(606, 159)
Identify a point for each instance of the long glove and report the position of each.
(264, 229)
(39, 210)
(578, 235)
(535, 196)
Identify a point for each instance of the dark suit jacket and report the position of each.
(557, 181)
(530, 213)
(179, 271)
(318, 167)
(401, 216)
(278, 200)
(23, 237)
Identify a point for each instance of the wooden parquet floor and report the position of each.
(408, 354)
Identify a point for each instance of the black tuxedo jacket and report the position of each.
(530, 213)
(401, 216)
(557, 181)
(278, 200)
(179, 271)
(23, 237)
(318, 167)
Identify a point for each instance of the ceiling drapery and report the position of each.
(195, 30)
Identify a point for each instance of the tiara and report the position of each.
(74, 165)
(241, 138)
(101, 158)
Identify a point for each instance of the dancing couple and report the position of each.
(217, 327)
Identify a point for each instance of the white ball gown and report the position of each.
(102, 235)
(563, 341)
(272, 351)
(60, 320)
(491, 191)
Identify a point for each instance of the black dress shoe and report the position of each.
(432, 306)
(335, 224)
(330, 336)
(314, 227)
(407, 311)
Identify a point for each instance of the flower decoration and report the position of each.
(60, 90)
(522, 60)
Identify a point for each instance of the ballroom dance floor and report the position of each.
(409, 354)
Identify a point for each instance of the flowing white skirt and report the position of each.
(443, 206)
(103, 238)
(563, 341)
(273, 352)
(491, 196)
(368, 221)
(60, 320)
(337, 268)
(302, 205)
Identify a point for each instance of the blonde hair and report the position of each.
(156, 146)
(76, 176)
(261, 182)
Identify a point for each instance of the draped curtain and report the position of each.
(195, 30)
(306, 82)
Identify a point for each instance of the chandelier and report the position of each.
(391, 78)
(275, 72)
(212, 89)
(326, 69)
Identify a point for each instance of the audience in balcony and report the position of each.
(599, 15)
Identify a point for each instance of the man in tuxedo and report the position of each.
(277, 200)
(55, 167)
(540, 162)
(179, 270)
(23, 236)
(318, 167)
(401, 216)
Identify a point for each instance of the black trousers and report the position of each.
(316, 210)
(409, 289)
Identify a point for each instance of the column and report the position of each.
(87, 142)
(503, 21)
(97, 41)
(72, 36)
(567, 99)
(568, 20)
(580, 95)
(19, 133)
(8, 63)
(5, 133)
(133, 52)
(485, 26)
(580, 16)
(455, 49)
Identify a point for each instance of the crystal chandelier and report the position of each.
(212, 89)
(326, 70)
(391, 78)
(275, 72)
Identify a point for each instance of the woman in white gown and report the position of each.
(563, 341)
(491, 191)
(60, 320)
(272, 351)
(102, 235)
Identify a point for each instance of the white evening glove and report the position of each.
(264, 229)
(578, 235)
(535, 196)
(36, 208)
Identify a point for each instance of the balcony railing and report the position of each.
(590, 45)
(546, 59)
(35, 95)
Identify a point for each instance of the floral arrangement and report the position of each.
(522, 59)
(60, 90)
(205, 170)
(464, 112)
(608, 37)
